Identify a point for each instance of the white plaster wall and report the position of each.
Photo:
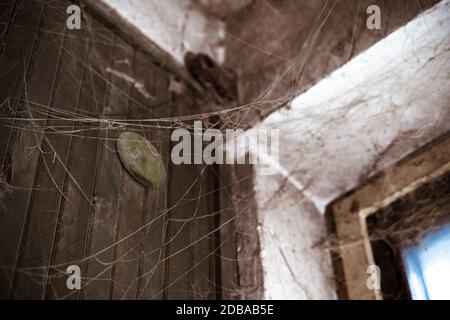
(175, 26)
(222, 8)
(376, 109)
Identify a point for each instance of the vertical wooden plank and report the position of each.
(248, 259)
(130, 210)
(192, 248)
(102, 215)
(100, 252)
(151, 269)
(75, 213)
(76, 206)
(20, 21)
(179, 253)
(204, 250)
(229, 279)
(151, 285)
(25, 146)
(98, 269)
(38, 241)
(204, 247)
(216, 241)
(182, 210)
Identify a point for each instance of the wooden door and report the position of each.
(65, 198)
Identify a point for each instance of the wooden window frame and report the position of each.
(351, 249)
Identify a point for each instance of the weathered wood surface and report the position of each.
(65, 198)
(191, 236)
(23, 146)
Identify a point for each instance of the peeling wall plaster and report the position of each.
(367, 115)
(176, 26)
(221, 8)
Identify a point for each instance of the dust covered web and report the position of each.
(408, 220)
(75, 95)
(404, 225)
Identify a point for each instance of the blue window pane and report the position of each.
(428, 266)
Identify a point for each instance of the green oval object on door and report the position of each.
(141, 159)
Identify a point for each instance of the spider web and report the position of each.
(48, 137)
